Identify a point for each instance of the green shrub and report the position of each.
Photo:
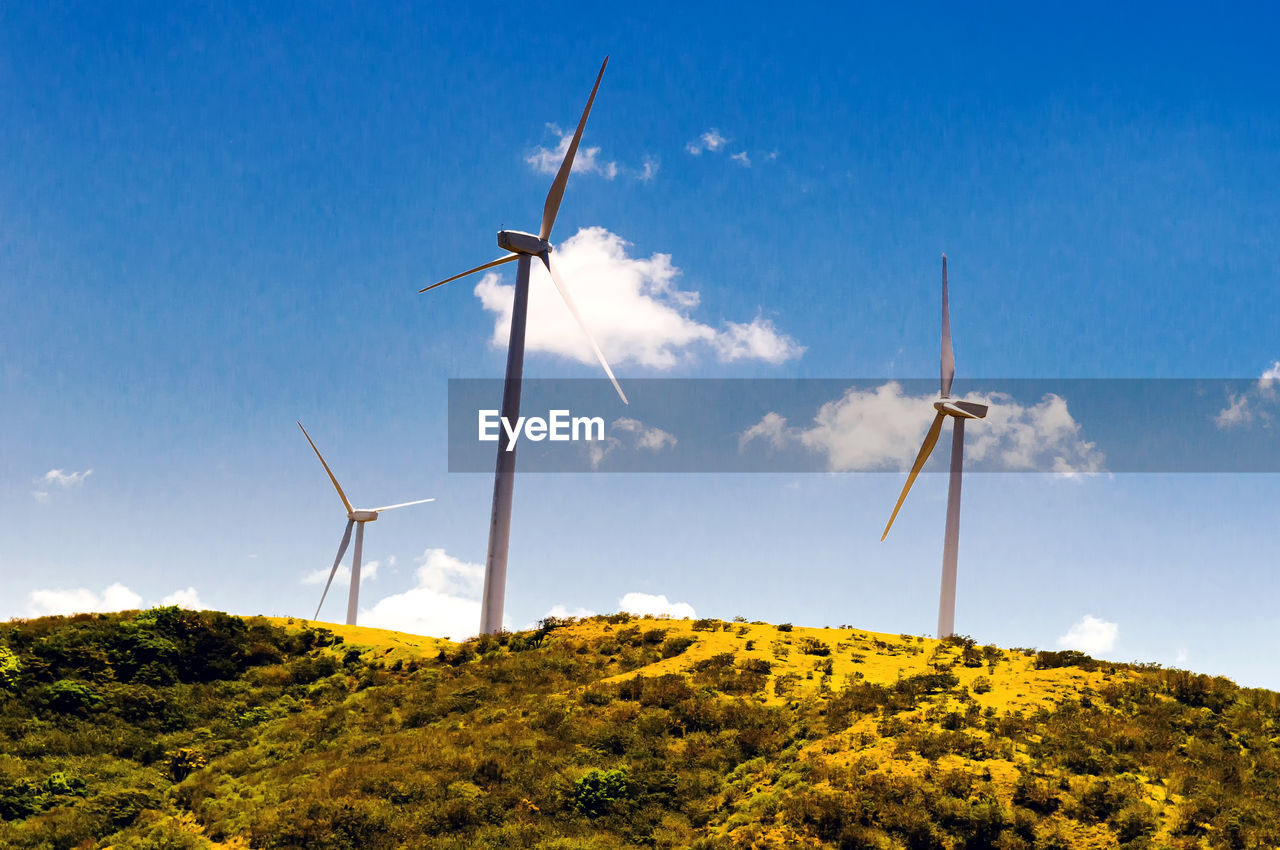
(9, 667)
(1066, 658)
(68, 697)
(598, 792)
(676, 645)
(813, 646)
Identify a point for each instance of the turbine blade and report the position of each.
(556, 194)
(336, 485)
(930, 440)
(948, 356)
(403, 505)
(568, 302)
(497, 262)
(342, 550)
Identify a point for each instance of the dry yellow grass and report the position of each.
(383, 645)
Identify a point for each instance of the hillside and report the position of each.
(176, 729)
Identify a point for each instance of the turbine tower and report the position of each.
(958, 411)
(522, 248)
(357, 517)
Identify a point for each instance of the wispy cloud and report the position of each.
(628, 432)
(633, 307)
(57, 479)
(342, 576)
(712, 140)
(1091, 635)
(646, 436)
(1252, 404)
(589, 160)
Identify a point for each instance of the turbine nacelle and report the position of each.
(362, 516)
(519, 242)
(960, 409)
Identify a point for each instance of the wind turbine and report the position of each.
(522, 248)
(357, 517)
(959, 411)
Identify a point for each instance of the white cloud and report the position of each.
(650, 605)
(649, 169)
(711, 140)
(1091, 635)
(637, 434)
(368, 572)
(1242, 408)
(81, 600)
(587, 160)
(188, 599)
(771, 429)
(60, 479)
(646, 436)
(1235, 413)
(560, 612)
(445, 601)
(755, 340)
(882, 428)
(443, 573)
(632, 306)
(115, 597)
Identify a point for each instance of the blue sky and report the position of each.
(215, 223)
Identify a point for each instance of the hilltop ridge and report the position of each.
(170, 728)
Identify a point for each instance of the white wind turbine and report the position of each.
(959, 411)
(357, 517)
(522, 247)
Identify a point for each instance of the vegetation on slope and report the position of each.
(175, 729)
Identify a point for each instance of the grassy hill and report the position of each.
(176, 729)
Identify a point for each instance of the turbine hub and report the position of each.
(363, 516)
(518, 242)
(961, 409)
